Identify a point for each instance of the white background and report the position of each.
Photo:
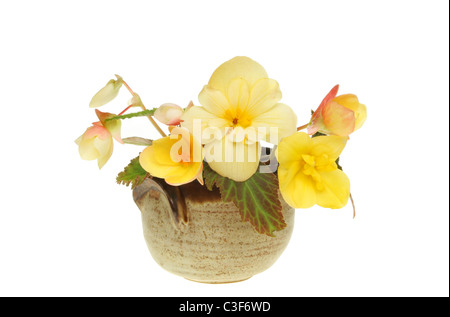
(66, 228)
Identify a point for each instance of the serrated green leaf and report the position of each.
(133, 174)
(145, 113)
(256, 198)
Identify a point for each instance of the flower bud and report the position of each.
(107, 93)
(169, 114)
(341, 115)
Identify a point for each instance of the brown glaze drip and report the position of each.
(176, 200)
(195, 192)
(177, 195)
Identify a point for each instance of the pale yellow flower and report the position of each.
(240, 95)
(96, 143)
(308, 173)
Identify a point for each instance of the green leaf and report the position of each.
(337, 163)
(256, 198)
(318, 134)
(133, 174)
(135, 140)
(145, 113)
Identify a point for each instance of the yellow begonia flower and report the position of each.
(107, 93)
(308, 173)
(96, 143)
(240, 95)
(341, 115)
(177, 159)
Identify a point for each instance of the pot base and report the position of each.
(218, 282)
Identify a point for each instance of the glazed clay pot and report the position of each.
(192, 233)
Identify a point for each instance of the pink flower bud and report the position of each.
(169, 114)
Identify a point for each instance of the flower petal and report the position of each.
(189, 173)
(280, 117)
(148, 163)
(316, 122)
(87, 149)
(113, 126)
(238, 94)
(207, 119)
(297, 189)
(292, 147)
(105, 148)
(238, 161)
(107, 93)
(337, 119)
(240, 66)
(264, 95)
(351, 102)
(331, 145)
(214, 101)
(336, 190)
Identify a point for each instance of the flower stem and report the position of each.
(152, 121)
(353, 204)
(125, 110)
(302, 127)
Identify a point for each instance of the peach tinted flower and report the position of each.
(96, 143)
(338, 115)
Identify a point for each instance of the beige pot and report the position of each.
(192, 233)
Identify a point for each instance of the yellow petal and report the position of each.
(148, 163)
(107, 93)
(264, 95)
(280, 117)
(330, 145)
(188, 173)
(297, 189)
(161, 150)
(336, 190)
(207, 120)
(238, 161)
(292, 147)
(240, 66)
(360, 116)
(87, 149)
(105, 148)
(238, 94)
(213, 101)
(351, 102)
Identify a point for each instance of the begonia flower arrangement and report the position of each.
(218, 143)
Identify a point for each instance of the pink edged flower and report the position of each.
(338, 115)
(96, 143)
